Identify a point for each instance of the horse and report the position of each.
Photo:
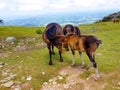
(70, 29)
(83, 43)
(115, 20)
(53, 36)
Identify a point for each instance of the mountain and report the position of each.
(75, 18)
(111, 16)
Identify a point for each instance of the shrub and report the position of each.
(39, 31)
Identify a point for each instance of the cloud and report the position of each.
(2, 5)
(21, 6)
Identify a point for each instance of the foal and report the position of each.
(70, 29)
(83, 43)
(53, 36)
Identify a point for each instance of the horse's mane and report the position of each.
(68, 25)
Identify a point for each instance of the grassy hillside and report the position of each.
(18, 31)
(34, 62)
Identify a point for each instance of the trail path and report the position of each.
(73, 80)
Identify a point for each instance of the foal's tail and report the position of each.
(92, 39)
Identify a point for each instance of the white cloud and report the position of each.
(2, 5)
(53, 5)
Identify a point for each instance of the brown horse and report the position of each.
(53, 36)
(115, 20)
(70, 29)
(83, 43)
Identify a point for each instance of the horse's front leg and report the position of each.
(50, 54)
(53, 49)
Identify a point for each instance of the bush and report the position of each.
(39, 31)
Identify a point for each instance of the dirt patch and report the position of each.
(73, 81)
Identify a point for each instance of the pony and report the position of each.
(70, 29)
(83, 43)
(53, 36)
(115, 20)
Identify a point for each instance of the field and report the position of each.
(33, 63)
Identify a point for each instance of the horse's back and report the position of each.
(51, 31)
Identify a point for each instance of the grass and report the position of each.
(34, 62)
(19, 31)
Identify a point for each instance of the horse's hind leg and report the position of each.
(82, 59)
(73, 59)
(92, 59)
(53, 49)
(61, 59)
(50, 53)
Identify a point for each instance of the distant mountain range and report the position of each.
(72, 18)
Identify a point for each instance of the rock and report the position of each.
(8, 84)
(2, 64)
(25, 85)
(66, 86)
(8, 78)
(17, 87)
(60, 77)
(63, 73)
(10, 39)
(51, 80)
(54, 83)
(119, 83)
(45, 83)
(29, 78)
(43, 73)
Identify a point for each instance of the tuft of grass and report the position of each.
(85, 74)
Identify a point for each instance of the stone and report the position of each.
(60, 77)
(8, 84)
(66, 86)
(8, 78)
(43, 73)
(10, 39)
(29, 78)
(54, 83)
(45, 83)
(25, 85)
(17, 87)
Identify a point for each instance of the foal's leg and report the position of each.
(82, 59)
(92, 59)
(53, 49)
(73, 58)
(50, 53)
(60, 53)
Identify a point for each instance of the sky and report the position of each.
(36, 7)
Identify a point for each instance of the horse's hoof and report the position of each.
(87, 68)
(82, 66)
(72, 64)
(61, 60)
(97, 77)
(50, 64)
(53, 53)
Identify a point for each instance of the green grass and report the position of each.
(34, 62)
(19, 32)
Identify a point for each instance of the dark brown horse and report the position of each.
(53, 36)
(115, 20)
(83, 43)
(70, 29)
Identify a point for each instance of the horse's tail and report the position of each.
(92, 39)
